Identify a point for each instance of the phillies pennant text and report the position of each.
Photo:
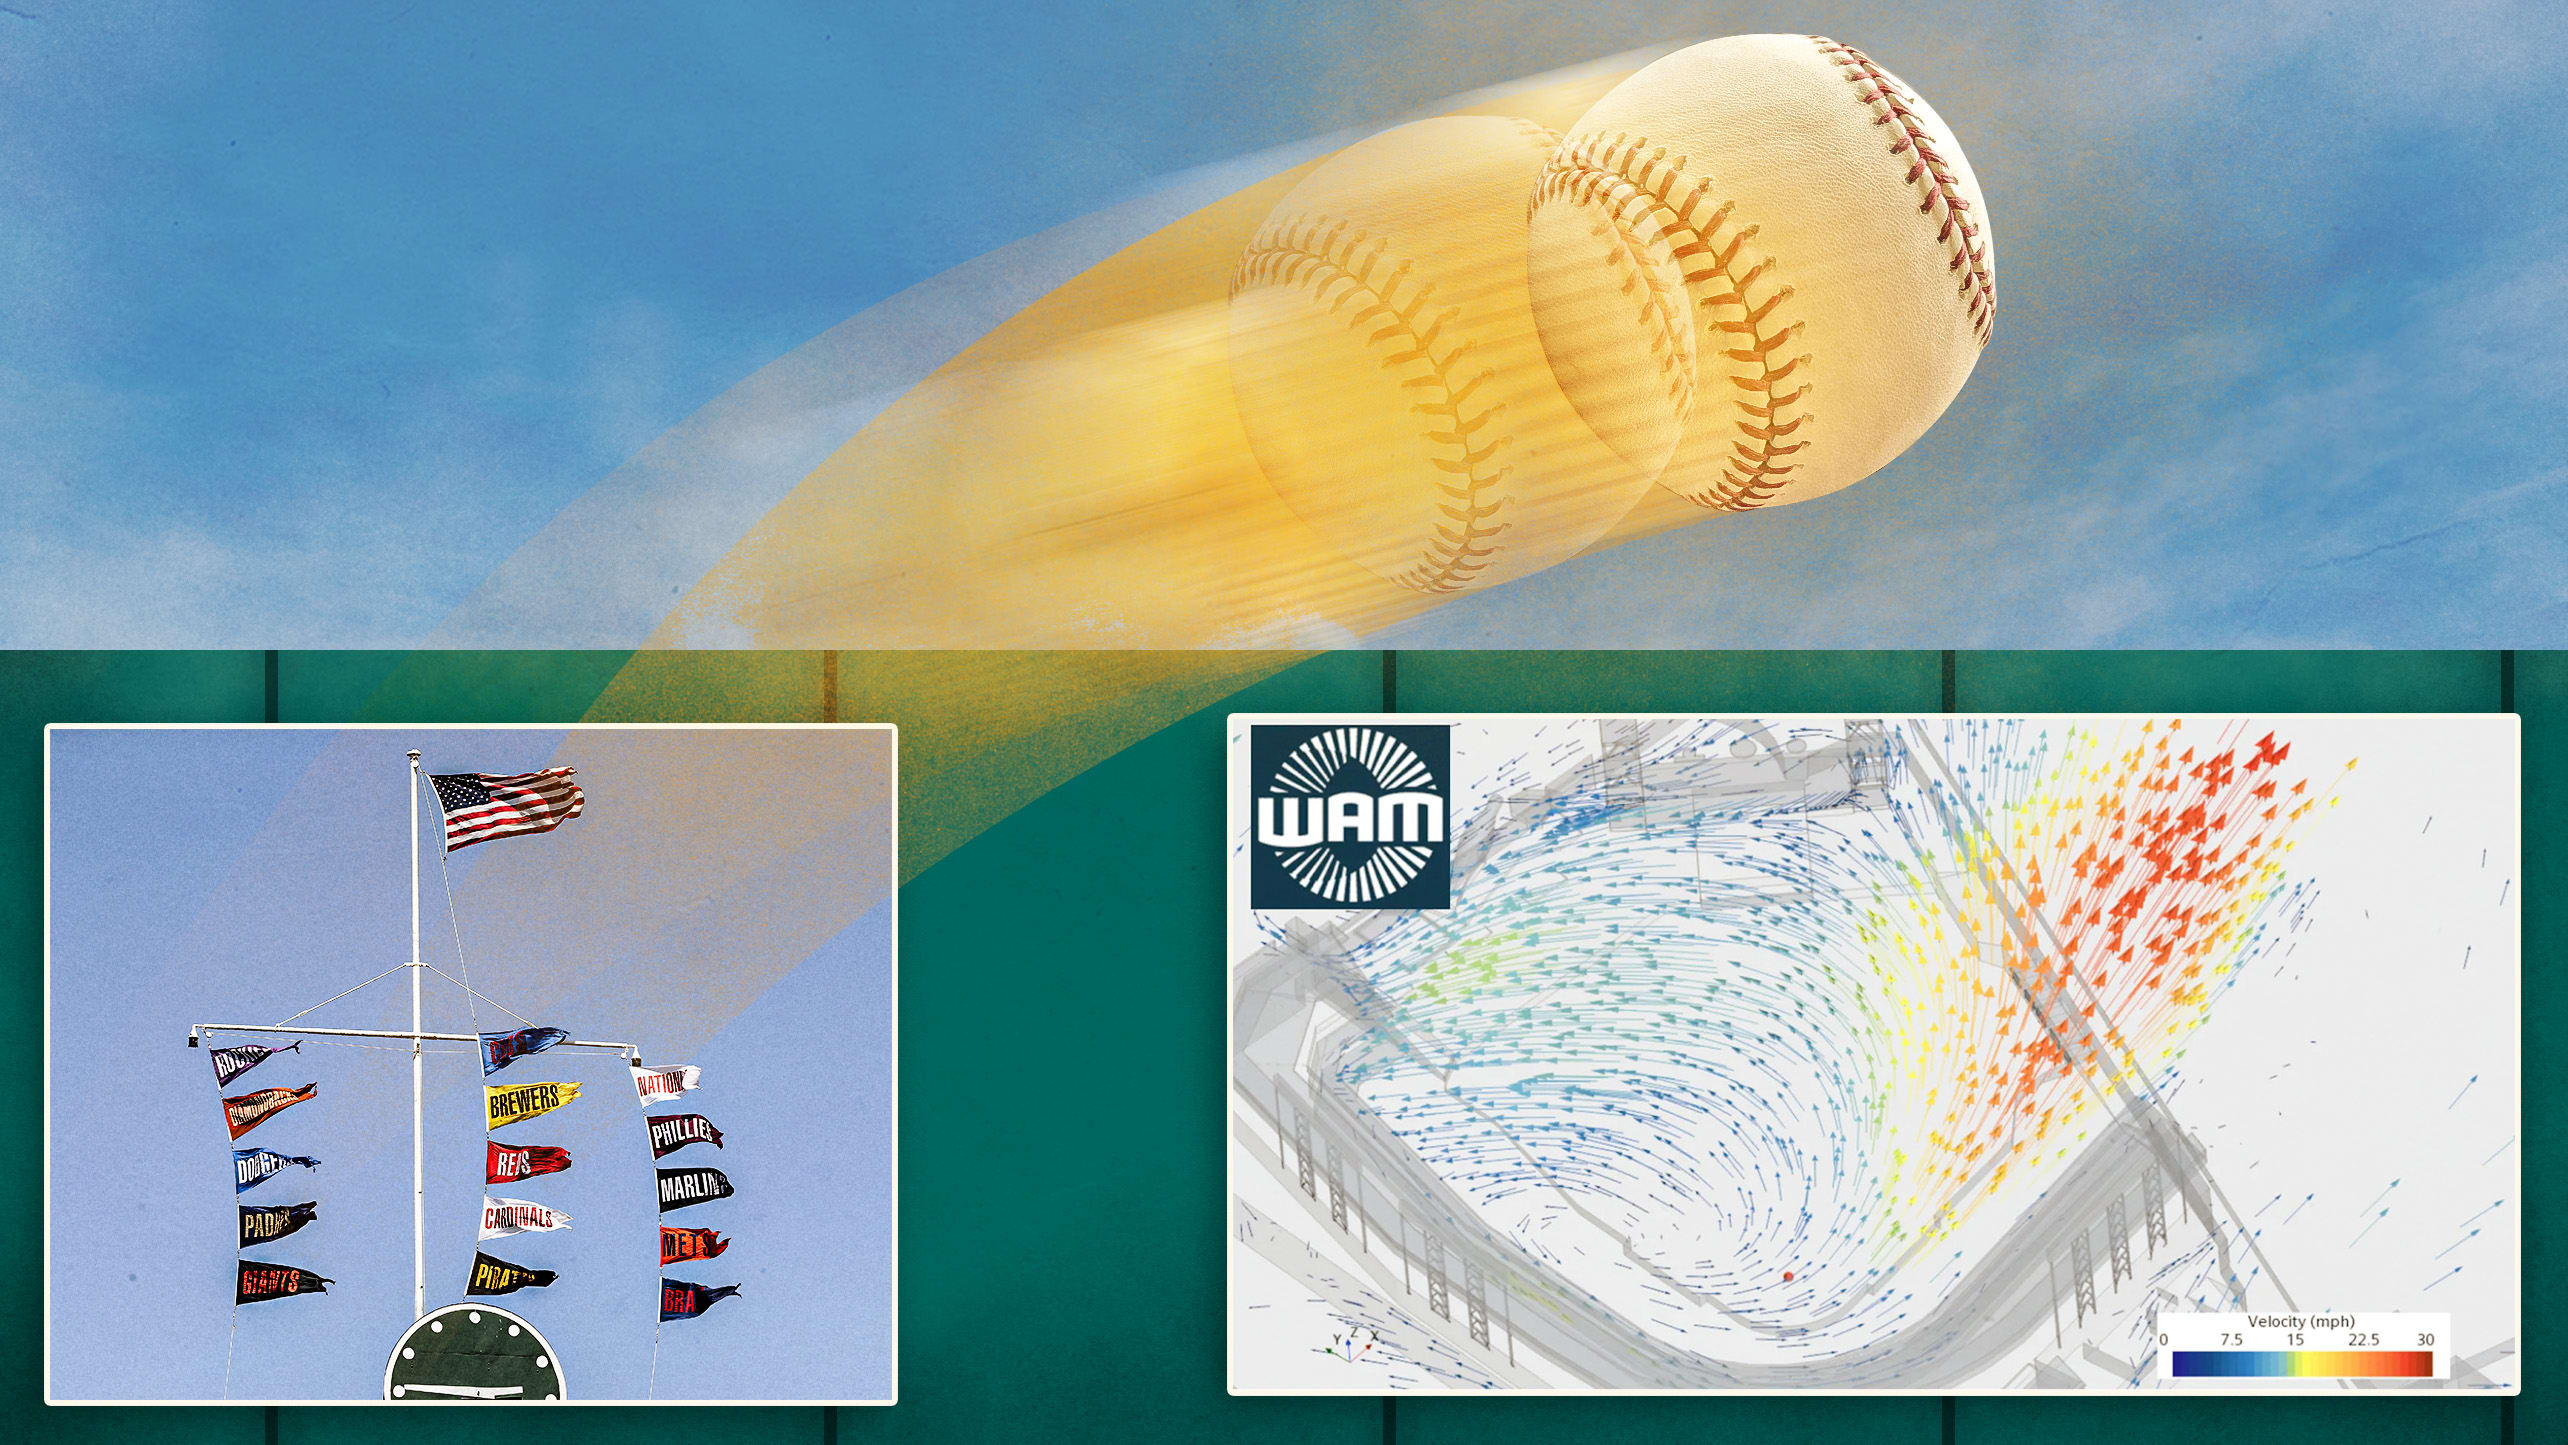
(511, 1102)
(519, 1216)
(656, 1085)
(492, 1275)
(501, 1050)
(673, 1132)
(483, 806)
(231, 1063)
(682, 1187)
(680, 1300)
(263, 1222)
(510, 1163)
(251, 1167)
(244, 1112)
(677, 1245)
(276, 1281)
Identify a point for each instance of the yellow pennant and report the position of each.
(512, 1102)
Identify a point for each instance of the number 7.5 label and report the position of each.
(2304, 1346)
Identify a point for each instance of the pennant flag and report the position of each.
(481, 806)
(501, 1050)
(512, 1102)
(263, 1222)
(683, 1244)
(231, 1063)
(250, 1167)
(682, 1187)
(245, 1112)
(492, 1275)
(276, 1281)
(509, 1164)
(673, 1132)
(518, 1216)
(655, 1085)
(680, 1300)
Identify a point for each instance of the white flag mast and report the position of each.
(418, 1167)
(417, 1037)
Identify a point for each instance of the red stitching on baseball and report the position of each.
(1891, 104)
(1661, 308)
(1642, 182)
(1328, 259)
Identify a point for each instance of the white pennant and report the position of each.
(518, 1216)
(655, 1085)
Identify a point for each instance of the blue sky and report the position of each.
(310, 317)
(232, 898)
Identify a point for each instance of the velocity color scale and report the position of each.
(2303, 1364)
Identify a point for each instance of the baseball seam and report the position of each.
(1661, 308)
(1332, 261)
(1892, 105)
(1641, 176)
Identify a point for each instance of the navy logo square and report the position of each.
(1350, 815)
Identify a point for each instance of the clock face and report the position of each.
(472, 1353)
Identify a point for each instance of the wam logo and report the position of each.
(1349, 816)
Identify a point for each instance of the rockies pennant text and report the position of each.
(231, 1063)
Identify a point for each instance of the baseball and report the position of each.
(1388, 371)
(1794, 240)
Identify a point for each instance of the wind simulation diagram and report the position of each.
(1944, 1054)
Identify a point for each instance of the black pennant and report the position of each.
(263, 1222)
(682, 1187)
(673, 1132)
(275, 1281)
(493, 1275)
(231, 1063)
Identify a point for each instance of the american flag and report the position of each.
(480, 807)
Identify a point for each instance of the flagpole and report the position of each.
(632, 1052)
(418, 1169)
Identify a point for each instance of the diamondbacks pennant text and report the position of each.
(510, 1103)
(244, 1112)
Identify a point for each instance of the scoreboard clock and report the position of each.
(470, 1353)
